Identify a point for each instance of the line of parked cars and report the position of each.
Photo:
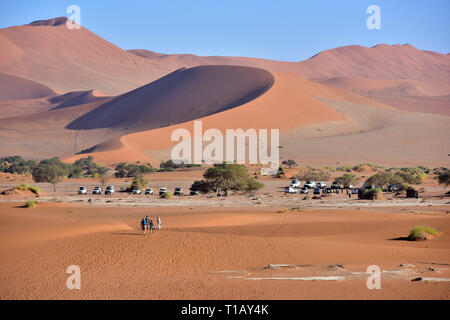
(295, 187)
(149, 191)
(316, 187)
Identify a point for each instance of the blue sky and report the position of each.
(273, 29)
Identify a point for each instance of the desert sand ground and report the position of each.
(220, 248)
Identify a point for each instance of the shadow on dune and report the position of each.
(181, 96)
(399, 239)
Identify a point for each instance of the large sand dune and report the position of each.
(318, 103)
(72, 60)
(419, 80)
(181, 96)
(16, 88)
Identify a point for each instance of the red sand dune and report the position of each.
(16, 88)
(72, 60)
(181, 96)
(428, 73)
(76, 98)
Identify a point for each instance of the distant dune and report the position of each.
(74, 92)
(181, 96)
(16, 88)
(425, 73)
(72, 60)
(75, 98)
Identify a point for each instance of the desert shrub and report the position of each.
(170, 165)
(16, 164)
(166, 195)
(312, 174)
(420, 232)
(138, 183)
(385, 178)
(330, 168)
(359, 168)
(444, 178)
(30, 203)
(123, 170)
(280, 173)
(289, 163)
(345, 168)
(373, 194)
(26, 186)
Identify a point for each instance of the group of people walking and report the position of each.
(147, 224)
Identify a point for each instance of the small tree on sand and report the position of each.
(48, 173)
(103, 175)
(444, 178)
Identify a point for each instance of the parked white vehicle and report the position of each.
(82, 190)
(290, 190)
(109, 190)
(304, 190)
(136, 191)
(162, 191)
(178, 191)
(295, 183)
(97, 190)
(321, 185)
(149, 191)
(310, 184)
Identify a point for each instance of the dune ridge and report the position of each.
(181, 96)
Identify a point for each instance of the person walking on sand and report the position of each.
(151, 227)
(147, 221)
(143, 225)
(158, 221)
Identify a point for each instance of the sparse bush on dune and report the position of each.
(422, 233)
(26, 186)
(30, 203)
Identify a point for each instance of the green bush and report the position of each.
(420, 233)
(26, 186)
(30, 203)
(312, 174)
(345, 168)
(373, 194)
(201, 186)
(166, 195)
(16, 164)
(138, 183)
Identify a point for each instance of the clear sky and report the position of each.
(274, 29)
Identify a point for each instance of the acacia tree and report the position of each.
(444, 178)
(48, 173)
(103, 175)
(347, 179)
(231, 177)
